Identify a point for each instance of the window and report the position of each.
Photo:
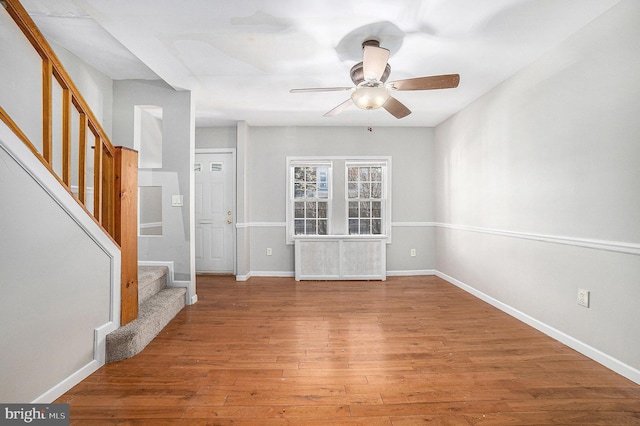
(311, 198)
(365, 199)
(356, 201)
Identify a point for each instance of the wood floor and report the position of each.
(411, 350)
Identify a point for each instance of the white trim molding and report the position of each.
(419, 272)
(261, 225)
(607, 360)
(413, 224)
(615, 246)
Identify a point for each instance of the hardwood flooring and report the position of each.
(411, 350)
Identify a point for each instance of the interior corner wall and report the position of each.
(178, 145)
(243, 231)
(538, 194)
(262, 184)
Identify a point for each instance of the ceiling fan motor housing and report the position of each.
(357, 73)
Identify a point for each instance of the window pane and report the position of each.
(353, 209)
(322, 209)
(299, 209)
(299, 227)
(322, 227)
(323, 190)
(353, 226)
(364, 173)
(298, 173)
(323, 179)
(311, 190)
(299, 190)
(365, 190)
(310, 227)
(376, 209)
(376, 190)
(311, 209)
(353, 190)
(376, 174)
(310, 174)
(364, 226)
(376, 226)
(353, 174)
(365, 209)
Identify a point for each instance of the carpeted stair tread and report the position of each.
(151, 280)
(154, 314)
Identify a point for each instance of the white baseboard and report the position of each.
(62, 387)
(99, 356)
(608, 361)
(282, 274)
(100, 341)
(290, 274)
(411, 273)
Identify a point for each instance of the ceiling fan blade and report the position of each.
(396, 108)
(320, 89)
(337, 110)
(374, 61)
(447, 81)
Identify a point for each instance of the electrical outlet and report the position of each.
(269, 252)
(583, 297)
(413, 252)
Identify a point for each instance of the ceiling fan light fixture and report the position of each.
(370, 97)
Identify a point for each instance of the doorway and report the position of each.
(215, 172)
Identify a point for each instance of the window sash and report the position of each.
(365, 197)
(310, 197)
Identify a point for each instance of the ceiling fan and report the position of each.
(372, 91)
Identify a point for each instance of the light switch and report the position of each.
(176, 200)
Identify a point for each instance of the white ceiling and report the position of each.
(240, 57)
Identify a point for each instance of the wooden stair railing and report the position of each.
(115, 174)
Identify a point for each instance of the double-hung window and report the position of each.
(356, 202)
(365, 198)
(311, 197)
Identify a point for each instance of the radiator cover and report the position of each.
(342, 257)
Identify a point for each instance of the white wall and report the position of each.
(176, 174)
(20, 79)
(57, 283)
(95, 87)
(262, 179)
(60, 272)
(537, 191)
(216, 137)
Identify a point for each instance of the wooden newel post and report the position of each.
(126, 232)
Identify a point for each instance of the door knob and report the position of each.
(229, 221)
(229, 213)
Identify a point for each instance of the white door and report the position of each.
(214, 180)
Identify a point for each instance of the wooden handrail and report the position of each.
(107, 209)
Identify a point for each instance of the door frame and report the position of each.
(231, 151)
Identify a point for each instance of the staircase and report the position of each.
(158, 304)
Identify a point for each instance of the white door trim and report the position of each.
(231, 151)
